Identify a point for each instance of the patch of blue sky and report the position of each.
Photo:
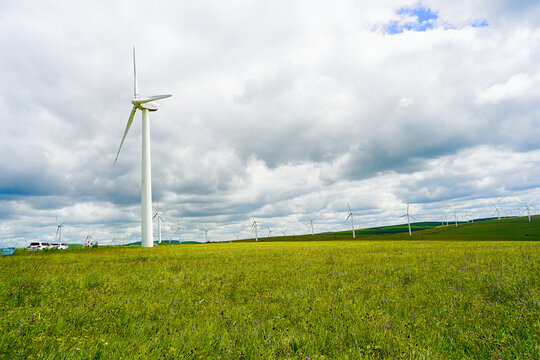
(416, 19)
(421, 19)
(480, 23)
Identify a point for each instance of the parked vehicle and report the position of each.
(38, 245)
(58, 246)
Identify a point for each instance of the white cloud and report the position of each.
(280, 110)
(517, 86)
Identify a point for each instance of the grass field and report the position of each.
(278, 300)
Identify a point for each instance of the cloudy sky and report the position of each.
(280, 110)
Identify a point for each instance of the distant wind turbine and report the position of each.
(178, 231)
(408, 219)
(528, 210)
(205, 234)
(159, 221)
(351, 215)
(497, 212)
(58, 231)
(237, 236)
(311, 225)
(145, 105)
(254, 226)
(455, 217)
(269, 231)
(88, 238)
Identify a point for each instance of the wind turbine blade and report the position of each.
(403, 216)
(154, 216)
(128, 125)
(412, 217)
(135, 86)
(152, 98)
(349, 206)
(348, 216)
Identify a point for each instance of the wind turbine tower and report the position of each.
(88, 238)
(205, 234)
(146, 105)
(254, 226)
(178, 231)
(58, 231)
(497, 212)
(311, 225)
(351, 215)
(408, 219)
(528, 210)
(159, 221)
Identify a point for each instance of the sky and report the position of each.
(281, 110)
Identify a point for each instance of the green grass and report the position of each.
(278, 300)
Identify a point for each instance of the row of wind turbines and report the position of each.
(147, 105)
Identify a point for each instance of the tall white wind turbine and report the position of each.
(159, 221)
(408, 219)
(351, 215)
(146, 105)
(254, 226)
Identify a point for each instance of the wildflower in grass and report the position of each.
(387, 326)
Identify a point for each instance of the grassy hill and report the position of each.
(514, 228)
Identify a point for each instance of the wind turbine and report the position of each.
(237, 236)
(310, 225)
(455, 217)
(58, 231)
(408, 219)
(351, 215)
(528, 210)
(269, 231)
(88, 238)
(497, 212)
(146, 105)
(178, 231)
(254, 225)
(159, 221)
(205, 234)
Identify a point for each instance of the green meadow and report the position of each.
(471, 292)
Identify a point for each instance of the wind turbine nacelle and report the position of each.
(150, 106)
